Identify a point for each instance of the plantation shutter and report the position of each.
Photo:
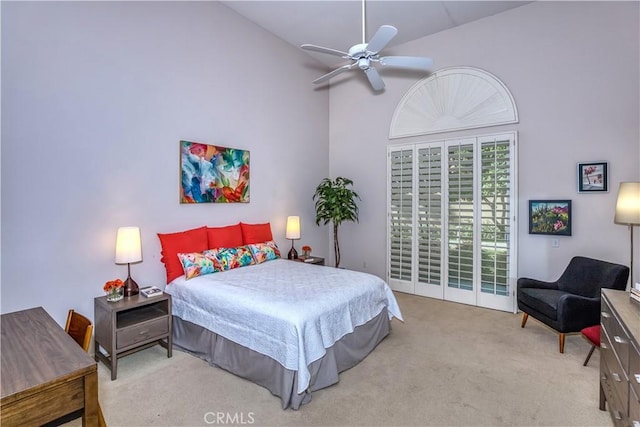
(400, 214)
(496, 213)
(460, 216)
(429, 222)
(451, 220)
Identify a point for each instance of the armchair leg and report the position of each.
(561, 342)
(525, 316)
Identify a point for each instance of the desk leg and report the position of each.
(90, 412)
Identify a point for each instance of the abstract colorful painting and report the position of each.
(213, 174)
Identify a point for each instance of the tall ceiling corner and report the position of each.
(453, 99)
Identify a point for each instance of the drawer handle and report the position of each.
(636, 423)
(616, 377)
(619, 340)
(617, 415)
(603, 345)
(143, 332)
(605, 314)
(604, 377)
(637, 377)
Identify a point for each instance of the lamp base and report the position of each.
(293, 254)
(130, 287)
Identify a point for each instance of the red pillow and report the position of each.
(256, 233)
(194, 240)
(224, 237)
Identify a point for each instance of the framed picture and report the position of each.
(213, 174)
(550, 217)
(593, 177)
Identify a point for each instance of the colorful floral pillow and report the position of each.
(234, 257)
(266, 251)
(198, 264)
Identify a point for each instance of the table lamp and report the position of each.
(628, 211)
(128, 250)
(293, 233)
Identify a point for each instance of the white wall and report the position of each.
(573, 70)
(95, 98)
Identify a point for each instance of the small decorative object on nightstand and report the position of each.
(306, 251)
(310, 260)
(114, 290)
(130, 325)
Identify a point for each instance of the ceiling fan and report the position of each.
(363, 55)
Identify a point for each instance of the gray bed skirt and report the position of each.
(265, 371)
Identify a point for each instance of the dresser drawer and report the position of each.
(613, 373)
(153, 329)
(617, 335)
(634, 409)
(634, 369)
(615, 408)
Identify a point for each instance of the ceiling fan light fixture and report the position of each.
(363, 63)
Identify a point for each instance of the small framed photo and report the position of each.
(593, 177)
(550, 217)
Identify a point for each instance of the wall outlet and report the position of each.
(555, 243)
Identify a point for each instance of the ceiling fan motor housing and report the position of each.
(358, 50)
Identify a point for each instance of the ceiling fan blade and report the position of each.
(380, 39)
(413, 62)
(333, 73)
(324, 50)
(374, 78)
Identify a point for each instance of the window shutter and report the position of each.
(401, 214)
(495, 225)
(460, 216)
(451, 219)
(430, 215)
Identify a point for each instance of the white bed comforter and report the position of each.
(289, 311)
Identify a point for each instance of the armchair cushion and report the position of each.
(544, 301)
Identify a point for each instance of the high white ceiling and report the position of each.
(338, 24)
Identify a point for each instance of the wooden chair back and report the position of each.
(80, 329)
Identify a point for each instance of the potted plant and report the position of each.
(335, 203)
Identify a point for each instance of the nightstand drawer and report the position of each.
(141, 332)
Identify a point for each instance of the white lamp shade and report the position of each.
(293, 227)
(628, 206)
(128, 246)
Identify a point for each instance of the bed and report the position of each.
(288, 326)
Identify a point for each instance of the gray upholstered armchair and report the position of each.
(573, 301)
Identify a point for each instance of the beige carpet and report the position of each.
(447, 365)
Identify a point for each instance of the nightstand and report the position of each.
(130, 325)
(310, 260)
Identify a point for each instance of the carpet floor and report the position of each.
(448, 364)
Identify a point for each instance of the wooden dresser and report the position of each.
(620, 358)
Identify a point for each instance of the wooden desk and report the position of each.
(44, 373)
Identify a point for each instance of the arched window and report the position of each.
(453, 99)
(452, 202)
